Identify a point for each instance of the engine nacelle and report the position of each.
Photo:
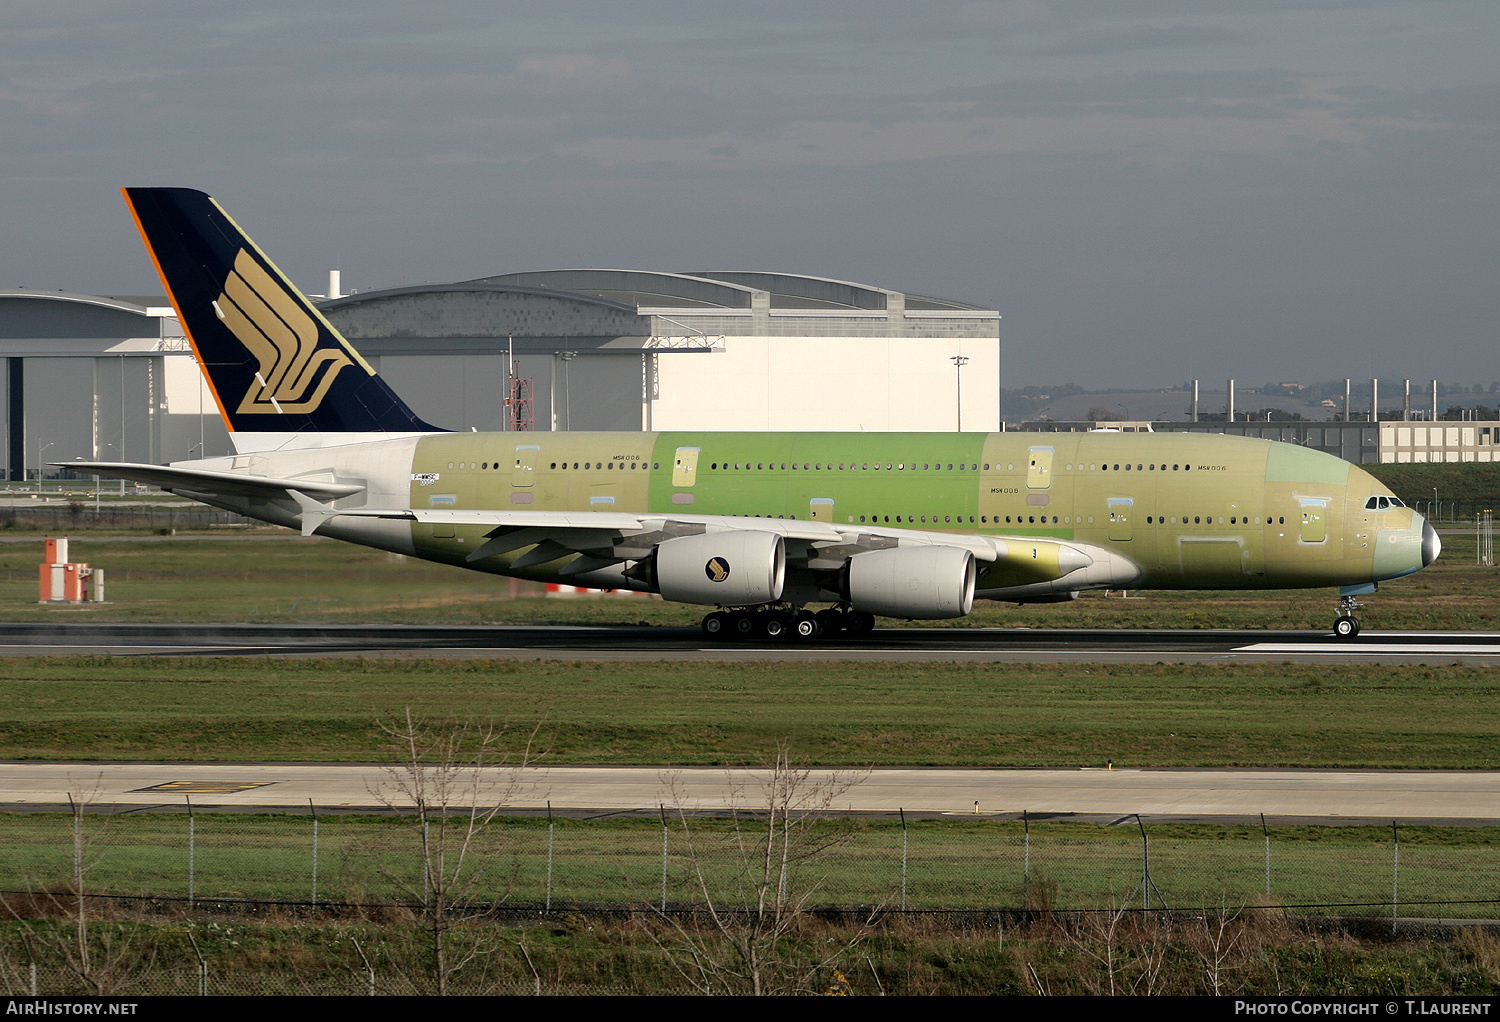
(727, 569)
(913, 582)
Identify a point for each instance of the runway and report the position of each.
(626, 643)
(1096, 795)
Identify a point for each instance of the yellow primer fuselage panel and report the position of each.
(1193, 510)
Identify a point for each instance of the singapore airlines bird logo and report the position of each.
(717, 569)
(294, 375)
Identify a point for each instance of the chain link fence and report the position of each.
(172, 902)
(77, 516)
(676, 863)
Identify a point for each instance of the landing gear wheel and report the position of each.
(805, 626)
(775, 626)
(716, 626)
(859, 624)
(830, 622)
(743, 624)
(1346, 625)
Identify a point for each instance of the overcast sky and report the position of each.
(1148, 190)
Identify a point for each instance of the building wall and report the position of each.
(1439, 441)
(876, 384)
(1364, 443)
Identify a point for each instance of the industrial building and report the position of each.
(1368, 436)
(113, 377)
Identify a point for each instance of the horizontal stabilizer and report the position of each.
(226, 484)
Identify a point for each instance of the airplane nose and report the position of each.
(1431, 545)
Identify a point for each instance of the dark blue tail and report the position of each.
(273, 362)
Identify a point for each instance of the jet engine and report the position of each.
(727, 569)
(913, 582)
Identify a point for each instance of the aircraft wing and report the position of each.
(196, 480)
(537, 526)
(596, 541)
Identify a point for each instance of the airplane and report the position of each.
(758, 526)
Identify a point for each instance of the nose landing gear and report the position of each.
(1346, 625)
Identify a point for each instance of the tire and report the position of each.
(859, 624)
(1345, 627)
(716, 626)
(831, 622)
(742, 624)
(775, 627)
(805, 627)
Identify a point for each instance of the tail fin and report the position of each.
(274, 364)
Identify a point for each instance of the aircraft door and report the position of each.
(523, 471)
(1120, 510)
(820, 509)
(685, 467)
(1039, 469)
(1314, 521)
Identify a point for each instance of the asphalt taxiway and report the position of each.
(625, 643)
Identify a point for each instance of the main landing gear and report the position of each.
(783, 624)
(1346, 625)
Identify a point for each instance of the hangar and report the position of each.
(113, 377)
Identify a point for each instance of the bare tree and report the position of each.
(758, 900)
(97, 958)
(452, 780)
(1215, 946)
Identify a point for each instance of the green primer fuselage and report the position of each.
(1192, 510)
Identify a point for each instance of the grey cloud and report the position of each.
(1121, 38)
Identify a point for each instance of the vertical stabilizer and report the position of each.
(274, 364)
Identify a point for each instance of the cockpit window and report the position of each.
(1370, 504)
(1396, 502)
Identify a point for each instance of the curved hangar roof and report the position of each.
(723, 289)
(27, 312)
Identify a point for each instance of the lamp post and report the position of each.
(567, 356)
(959, 361)
(1434, 503)
(40, 447)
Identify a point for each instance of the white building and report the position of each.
(1402, 442)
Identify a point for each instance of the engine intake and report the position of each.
(726, 569)
(913, 582)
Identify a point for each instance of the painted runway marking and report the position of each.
(1367, 649)
(205, 787)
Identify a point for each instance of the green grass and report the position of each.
(707, 713)
(950, 863)
(1469, 483)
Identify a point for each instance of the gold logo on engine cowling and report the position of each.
(717, 569)
(294, 375)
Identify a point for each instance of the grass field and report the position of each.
(954, 863)
(707, 713)
(278, 577)
(944, 714)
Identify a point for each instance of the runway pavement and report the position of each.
(1017, 645)
(1284, 796)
